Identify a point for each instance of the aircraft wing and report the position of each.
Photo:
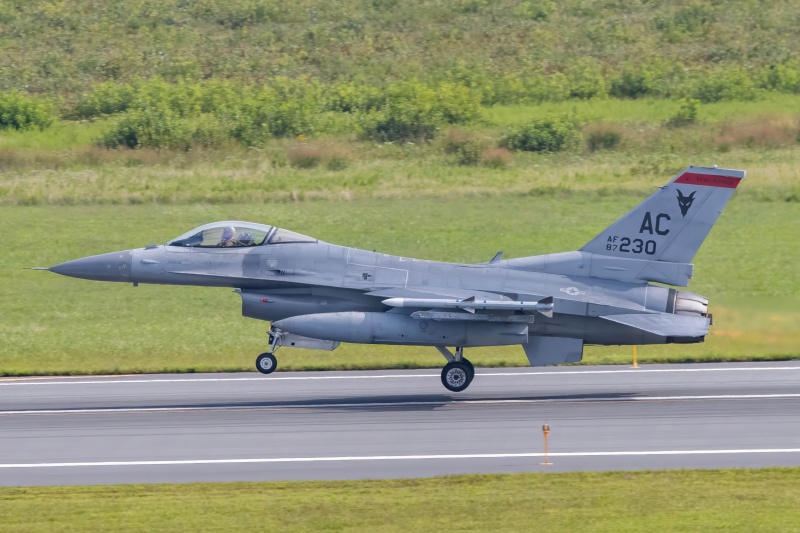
(663, 324)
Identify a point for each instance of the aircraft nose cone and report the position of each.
(115, 266)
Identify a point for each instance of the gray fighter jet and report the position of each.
(317, 295)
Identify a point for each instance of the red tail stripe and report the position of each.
(710, 180)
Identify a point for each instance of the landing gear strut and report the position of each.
(266, 363)
(458, 373)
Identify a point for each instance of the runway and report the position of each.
(386, 424)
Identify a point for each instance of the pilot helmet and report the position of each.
(227, 233)
(245, 239)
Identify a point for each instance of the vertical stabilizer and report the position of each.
(673, 222)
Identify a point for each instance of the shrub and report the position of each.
(723, 84)
(348, 97)
(546, 134)
(496, 158)
(138, 128)
(782, 77)
(332, 156)
(304, 156)
(458, 104)
(415, 111)
(693, 19)
(285, 108)
(586, 80)
(466, 148)
(289, 106)
(602, 137)
(508, 89)
(472, 6)
(336, 157)
(642, 80)
(686, 114)
(160, 114)
(760, 131)
(534, 10)
(105, 99)
(21, 112)
(160, 127)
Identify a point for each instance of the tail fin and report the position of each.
(673, 222)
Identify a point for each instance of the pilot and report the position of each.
(228, 233)
(245, 239)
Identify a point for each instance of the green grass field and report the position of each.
(713, 500)
(61, 198)
(53, 324)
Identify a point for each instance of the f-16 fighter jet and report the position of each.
(317, 295)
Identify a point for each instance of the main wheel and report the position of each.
(470, 367)
(456, 376)
(266, 363)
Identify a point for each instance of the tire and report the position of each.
(266, 363)
(456, 376)
(470, 366)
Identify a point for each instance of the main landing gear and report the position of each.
(266, 363)
(458, 373)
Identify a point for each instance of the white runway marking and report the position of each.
(434, 403)
(122, 381)
(397, 458)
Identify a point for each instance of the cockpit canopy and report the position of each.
(234, 233)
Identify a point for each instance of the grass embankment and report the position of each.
(53, 324)
(63, 48)
(722, 500)
(61, 167)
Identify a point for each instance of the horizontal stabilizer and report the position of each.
(663, 324)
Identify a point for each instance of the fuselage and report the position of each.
(279, 281)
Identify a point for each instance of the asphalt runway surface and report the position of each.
(387, 424)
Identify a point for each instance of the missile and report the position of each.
(471, 304)
(481, 317)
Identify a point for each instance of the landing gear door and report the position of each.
(296, 341)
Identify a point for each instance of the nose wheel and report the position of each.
(266, 363)
(458, 373)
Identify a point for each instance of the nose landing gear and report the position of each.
(459, 372)
(266, 363)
